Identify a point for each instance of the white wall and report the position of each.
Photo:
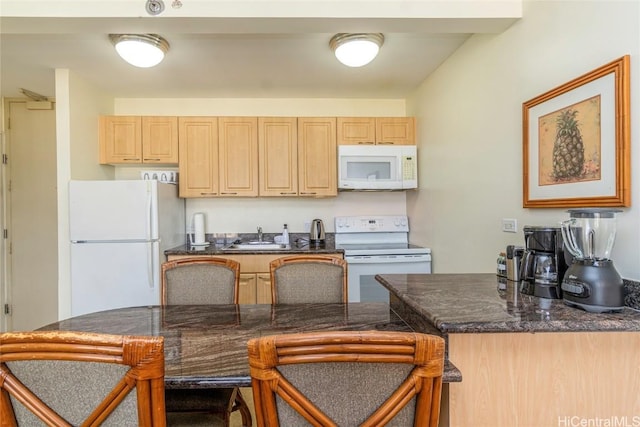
(243, 215)
(470, 111)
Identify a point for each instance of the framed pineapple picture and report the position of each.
(576, 142)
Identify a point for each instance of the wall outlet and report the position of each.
(307, 226)
(509, 225)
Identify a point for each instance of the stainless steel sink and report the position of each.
(257, 246)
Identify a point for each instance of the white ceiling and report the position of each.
(230, 56)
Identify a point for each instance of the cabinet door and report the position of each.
(247, 288)
(198, 162)
(356, 130)
(278, 156)
(396, 130)
(160, 139)
(317, 163)
(263, 288)
(238, 138)
(120, 139)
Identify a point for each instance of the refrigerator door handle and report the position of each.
(149, 212)
(150, 266)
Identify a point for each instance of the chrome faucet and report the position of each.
(259, 234)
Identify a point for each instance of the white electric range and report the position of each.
(377, 245)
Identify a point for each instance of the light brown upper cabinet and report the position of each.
(135, 139)
(278, 156)
(198, 166)
(238, 151)
(376, 130)
(160, 140)
(317, 163)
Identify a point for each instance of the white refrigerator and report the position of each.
(119, 231)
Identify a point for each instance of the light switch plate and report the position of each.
(509, 225)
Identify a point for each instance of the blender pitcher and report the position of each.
(590, 233)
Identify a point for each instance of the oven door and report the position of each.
(363, 286)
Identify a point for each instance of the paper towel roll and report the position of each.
(198, 228)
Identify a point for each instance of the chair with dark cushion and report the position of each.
(65, 378)
(194, 281)
(308, 279)
(347, 378)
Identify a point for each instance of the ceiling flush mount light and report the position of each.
(140, 50)
(356, 50)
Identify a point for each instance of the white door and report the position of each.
(31, 262)
(113, 275)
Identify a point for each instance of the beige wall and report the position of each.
(244, 215)
(87, 103)
(470, 115)
(79, 105)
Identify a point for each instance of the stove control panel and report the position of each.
(372, 224)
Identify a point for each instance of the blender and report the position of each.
(591, 282)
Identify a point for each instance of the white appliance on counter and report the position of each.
(119, 231)
(377, 245)
(377, 167)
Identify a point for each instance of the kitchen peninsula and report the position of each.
(525, 361)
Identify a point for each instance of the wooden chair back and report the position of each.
(354, 378)
(303, 279)
(61, 378)
(200, 280)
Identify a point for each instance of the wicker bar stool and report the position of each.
(347, 378)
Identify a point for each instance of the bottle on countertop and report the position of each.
(285, 235)
(502, 264)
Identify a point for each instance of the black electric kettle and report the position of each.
(316, 233)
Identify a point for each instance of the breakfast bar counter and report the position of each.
(525, 361)
(480, 303)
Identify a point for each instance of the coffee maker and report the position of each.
(544, 262)
(592, 282)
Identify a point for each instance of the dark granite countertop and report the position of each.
(473, 303)
(206, 346)
(299, 245)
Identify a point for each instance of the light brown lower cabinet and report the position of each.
(545, 379)
(255, 279)
(247, 288)
(255, 288)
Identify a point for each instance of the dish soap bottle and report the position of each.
(285, 235)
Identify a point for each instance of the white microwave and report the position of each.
(378, 167)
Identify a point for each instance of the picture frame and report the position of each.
(576, 142)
